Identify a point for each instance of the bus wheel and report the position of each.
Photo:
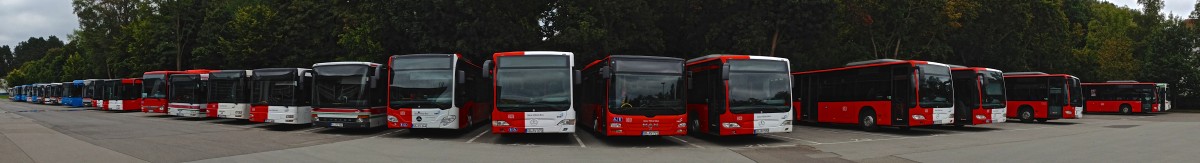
(1026, 115)
(1125, 109)
(867, 120)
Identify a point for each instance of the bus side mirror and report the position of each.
(689, 80)
(606, 72)
(487, 69)
(460, 77)
(725, 72)
(576, 77)
(375, 77)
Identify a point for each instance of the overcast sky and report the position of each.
(22, 19)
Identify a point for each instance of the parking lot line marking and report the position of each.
(388, 133)
(796, 139)
(850, 131)
(686, 142)
(580, 141)
(477, 136)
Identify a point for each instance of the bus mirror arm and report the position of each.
(460, 77)
(576, 78)
(725, 72)
(487, 69)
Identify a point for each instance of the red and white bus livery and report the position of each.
(738, 95)
(125, 94)
(1040, 96)
(188, 96)
(533, 91)
(979, 95)
(884, 92)
(229, 93)
(281, 95)
(1125, 97)
(155, 90)
(624, 95)
(349, 94)
(436, 91)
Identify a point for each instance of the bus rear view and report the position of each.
(739, 95)
(633, 96)
(533, 91)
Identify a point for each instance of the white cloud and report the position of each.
(1181, 8)
(22, 19)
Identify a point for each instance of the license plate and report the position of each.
(649, 133)
(222, 116)
(759, 131)
(419, 125)
(335, 124)
(533, 130)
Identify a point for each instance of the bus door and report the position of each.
(902, 84)
(1057, 97)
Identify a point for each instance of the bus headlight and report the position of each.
(918, 117)
(980, 117)
(448, 119)
(730, 125)
(393, 119)
(499, 123)
(682, 125)
(614, 125)
(1069, 112)
(787, 122)
(566, 122)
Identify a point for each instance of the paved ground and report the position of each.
(41, 133)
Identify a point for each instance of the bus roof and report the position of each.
(726, 57)
(520, 53)
(346, 63)
(630, 57)
(975, 69)
(1120, 83)
(869, 63)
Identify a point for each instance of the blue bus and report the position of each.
(73, 94)
(18, 93)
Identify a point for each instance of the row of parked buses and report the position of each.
(620, 95)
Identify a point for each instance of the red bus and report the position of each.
(979, 96)
(1040, 96)
(738, 95)
(634, 96)
(873, 93)
(443, 91)
(155, 91)
(123, 94)
(1125, 97)
(349, 94)
(533, 91)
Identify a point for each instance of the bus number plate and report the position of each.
(420, 125)
(649, 133)
(533, 130)
(335, 124)
(759, 131)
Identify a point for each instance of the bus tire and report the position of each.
(867, 120)
(1126, 109)
(1026, 115)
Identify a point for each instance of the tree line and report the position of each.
(1096, 41)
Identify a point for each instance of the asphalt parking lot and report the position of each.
(42, 133)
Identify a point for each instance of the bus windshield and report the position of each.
(340, 86)
(936, 89)
(274, 92)
(759, 86)
(533, 83)
(153, 86)
(183, 89)
(422, 83)
(224, 88)
(993, 90)
(647, 94)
